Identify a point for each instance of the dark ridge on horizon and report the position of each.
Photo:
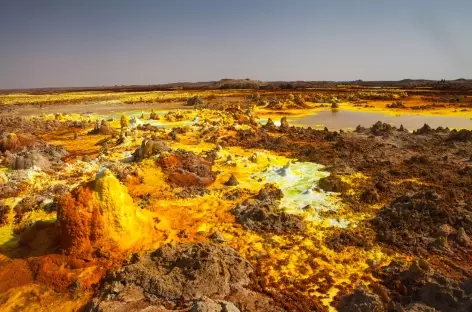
(227, 83)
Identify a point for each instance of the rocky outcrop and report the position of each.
(333, 183)
(194, 276)
(150, 148)
(101, 216)
(187, 169)
(262, 213)
(103, 128)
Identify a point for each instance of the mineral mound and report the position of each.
(100, 216)
(185, 168)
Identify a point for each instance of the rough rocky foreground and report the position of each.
(417, 188)
(185, 277)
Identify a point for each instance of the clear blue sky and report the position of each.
(97, 42)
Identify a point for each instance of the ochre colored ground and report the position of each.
(284, 261)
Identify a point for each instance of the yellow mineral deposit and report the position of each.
(123, 222)
(145, 210)
(124, 121)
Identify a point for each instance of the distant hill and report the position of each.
(228, 83)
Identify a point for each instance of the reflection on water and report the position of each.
(335, 120)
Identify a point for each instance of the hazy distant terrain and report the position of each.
(458, 84)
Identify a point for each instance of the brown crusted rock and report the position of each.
(420, 288)
(154, 115)
(232, 181)
(42, 158)
(217, 237)
(270, 125)
(102, 128)
(187, 169)
(333, 183)
(188, 270)
(463, 135)
(192, 276)
(381, 129)
(208, 305)
(31, 160)
(262, 214)
(462, 238)
(269, 192)
(16, 141)
(419, 307)
(194, 101)
(348, 237)
(4, 211)
(426, 129)
(284, 123)
(149, 149)
(411, 222)
(361, 301)
(370, 196)
(26, 205)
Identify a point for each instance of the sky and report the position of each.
(61, 43)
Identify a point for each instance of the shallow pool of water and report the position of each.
(335, 120)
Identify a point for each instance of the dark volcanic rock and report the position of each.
(195, 276)
(425, 130)
(194, 101)
(461, 135)
(361, 301)
(426, 289)
(262, 214)
(417, 288)
(270, 125)
(381, 129)
(232, 181)
(188, 270)
(369, 196)
(333, 183)
(412, 222)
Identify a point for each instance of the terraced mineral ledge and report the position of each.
(218, 203)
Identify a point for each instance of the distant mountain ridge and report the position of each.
(229, 83)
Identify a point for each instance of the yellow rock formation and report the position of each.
(102, 217)
(123, 222)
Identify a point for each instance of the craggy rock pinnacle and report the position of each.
(103, 128)
(194, 101)
(232, 181)
(100, 216)
(284, 124)
(270, 125)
